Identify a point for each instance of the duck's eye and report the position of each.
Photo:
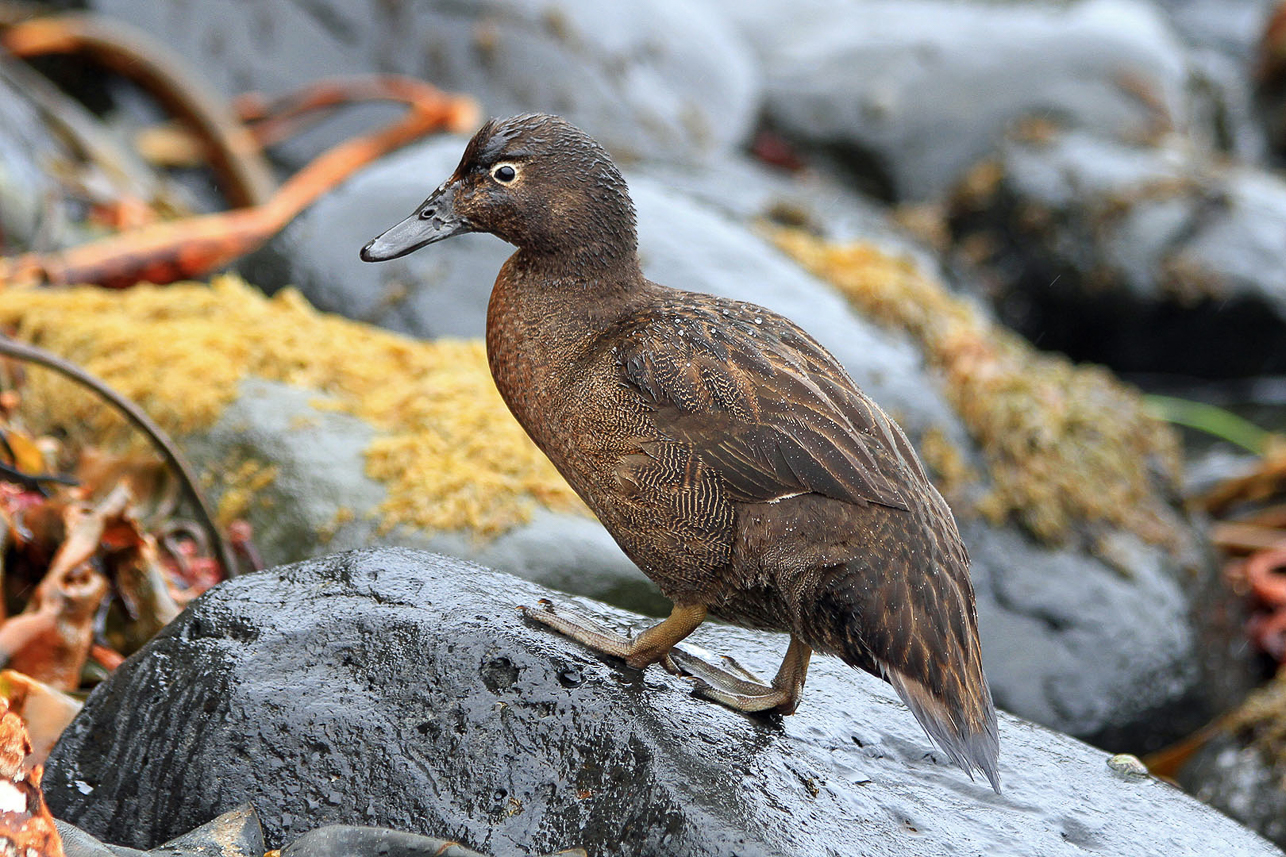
(504, 174)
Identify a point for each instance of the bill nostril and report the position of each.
(426, 213)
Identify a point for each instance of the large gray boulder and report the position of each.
(1147, 258)
(662, 78)
(401, 689)
(913, 92)
(430, 295)
(1223, 38)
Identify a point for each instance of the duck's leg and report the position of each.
(646, 647)
(734, 691)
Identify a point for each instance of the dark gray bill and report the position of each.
(435, 220)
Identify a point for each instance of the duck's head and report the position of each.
(536, 181)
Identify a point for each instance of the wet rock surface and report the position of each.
(1147, 258)
(660, 77)
(911, 93)
(400, 689)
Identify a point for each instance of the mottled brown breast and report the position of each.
(662, 504)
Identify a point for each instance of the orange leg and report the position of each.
(647, 647)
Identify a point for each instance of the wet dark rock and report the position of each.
(656, 77)
(1146, 258)
(910, 94)
(400, 689)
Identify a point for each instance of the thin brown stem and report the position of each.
(169, 450)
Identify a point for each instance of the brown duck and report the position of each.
(730, 456)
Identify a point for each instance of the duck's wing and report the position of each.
(764, 406)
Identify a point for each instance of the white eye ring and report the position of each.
(505, 173)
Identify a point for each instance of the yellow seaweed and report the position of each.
(446, 448)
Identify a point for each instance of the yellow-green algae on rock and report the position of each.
(449, 452)
(1064, 444)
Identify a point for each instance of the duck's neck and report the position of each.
(575, 292)
(545, 313)
(598, 255)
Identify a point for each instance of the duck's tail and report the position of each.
(965, 728)
(920, 633)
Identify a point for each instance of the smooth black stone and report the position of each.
(400, 689)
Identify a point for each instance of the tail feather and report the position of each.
(973, 743)
(918, 630)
